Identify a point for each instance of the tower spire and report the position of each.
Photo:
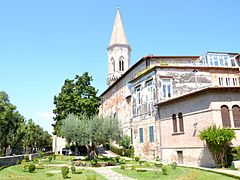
(118, 35)
(118, 51)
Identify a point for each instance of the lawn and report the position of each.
(180, 173)
(16, 173)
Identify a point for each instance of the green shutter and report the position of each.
(151, 133)
(141, 135)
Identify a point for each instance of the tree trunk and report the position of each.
(91, 151)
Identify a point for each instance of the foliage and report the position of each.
(90, 131)
(137, 159)
(54, 156)
(122, 166)
(40, 154)
(11, 125)
(129, 152)
(133, 167)
(35, 160)
(24, 165)
(26, 157)
(65, 171)
(174, 165)
(31, 168)
(50, 174)
(50, 159)
(165, 170)
(77, 97)
(125, 141)
(73, 169)
(120, 151)
(117, 159)
(218, 140)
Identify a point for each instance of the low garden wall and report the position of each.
(13, 160)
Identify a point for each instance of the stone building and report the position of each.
(162, 102)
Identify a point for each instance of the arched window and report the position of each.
(181, 126)
(113, 64)
(121, 63)
(225, 116)
(174, 118)
(236, 115)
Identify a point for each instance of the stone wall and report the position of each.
(13, 160)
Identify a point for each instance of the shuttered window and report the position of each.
(236, 115)
(181, 126)
(225, 116)
(151, 133)
(174, 118)
(141, 135)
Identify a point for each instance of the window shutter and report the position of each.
(225, 116)
(174, 123)
(236, 115)
(181, 126)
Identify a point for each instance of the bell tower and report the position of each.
(118, 51)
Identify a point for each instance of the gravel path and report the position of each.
(109, 174)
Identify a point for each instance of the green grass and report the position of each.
(16, 173)
(180, 173)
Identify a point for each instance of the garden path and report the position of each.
(109, 174)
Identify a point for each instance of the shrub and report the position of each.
(26, 158)
(54, 156)
(122, 166)
(65, 171)
(31, 168)
(141, 170)
(158, 164)
(116, 150)
(35, 160)
(24, 165)
(125, 141)
(117, 159)
(165, 170)
(141, 161)
(40, 154)
(129, 152)
(137, 159)
(50, 174)
(91, 177)
(133, 167)
(73, 169)
(18, 162)
(174, 165)
(50, 159)
(112, 162)
(218, 140)
(147, 164)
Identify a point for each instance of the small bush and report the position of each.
(26, 158)
(165, 170)
(24, 165)
(174, 165)
(50, 174)
(232, 168)
(50, 159)
(31, 168)
(141, 161)
(137, 159)
(116, 150)
(65, 171)
(73, 169)
(35, 160)
(129, 152)
(133, 167)
(141, 170)
(158, 164)
(54, 156)
(147, 164)
(117, 159)
(122, 166)
(40, 154)
(91, 177)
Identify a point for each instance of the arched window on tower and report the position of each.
(236, 115)
(180, 119)
(225, 116)
(121, 63)
(113, 64)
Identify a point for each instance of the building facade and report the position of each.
(163, 102)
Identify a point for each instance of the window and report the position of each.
(131, 136)
(121, 63)
(166, 88)
(228, 81)
(236, 115)
(151, 133)
(141, 135)
(180, 157)
(225, 116)
(180, 119)
(149, 96)
(138, 100)
(233, 62)
(174, 118)
(220, 81)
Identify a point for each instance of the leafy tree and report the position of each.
(125, 141)
(77, 97)
(218, 140)
(10, 123)
(90, 131)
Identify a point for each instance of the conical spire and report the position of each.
(118, 34)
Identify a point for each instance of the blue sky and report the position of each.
(44, 42)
